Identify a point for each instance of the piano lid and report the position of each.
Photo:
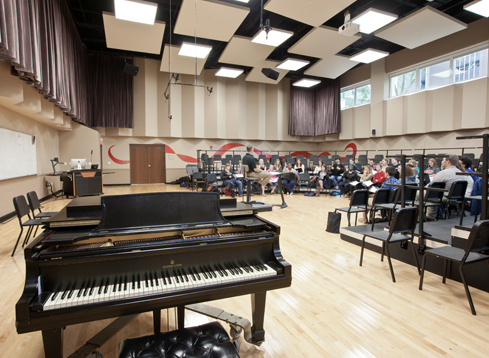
(156, 210)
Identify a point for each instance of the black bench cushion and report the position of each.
(209, 340)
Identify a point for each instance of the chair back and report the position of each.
(378, 158)
(359, 198)
(211, 178)
(197, 176)
(404, 220)
(394, 198)
(229, 156)
(245, 169)
(478, 238)
(237, 156)
(347, 159)
(225, 161)
(190, 168)
(457, 190)
(409, 195)
(217, 157)
(333, 157)
(33, 202)
(304, 177)
(435, 195)
(381, 196)
(362, 159)
(21, 207)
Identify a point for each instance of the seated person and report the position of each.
(322, 180)
(278, 165)
(352, 162)
(337, 171)
(432, 168)
(254, 171)
(395, 163)
(261, 165)
(466, 164)
(299, 167)
(411, 177)
(227, 176)
(318, 167)
(371, 164)
(390, 178)
(348, 177)
(468, 178)
(379, 177)
(273, 180)
(366, 176)
(414, 163)
(289, 184)
(384, 163)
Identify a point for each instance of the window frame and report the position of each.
(355, 87)
(435, 61)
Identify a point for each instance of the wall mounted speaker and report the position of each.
(131, 69)
(269, 73)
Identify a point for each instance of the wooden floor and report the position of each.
(334, 308)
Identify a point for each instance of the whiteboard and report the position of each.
(18, 156)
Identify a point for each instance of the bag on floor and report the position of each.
(309, 193)
(227, 191)
(334, 220)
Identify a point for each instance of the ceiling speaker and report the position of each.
(269, 73)
(131, 69)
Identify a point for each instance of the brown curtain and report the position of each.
(315, 111)
(40, 40)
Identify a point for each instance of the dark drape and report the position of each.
(315, 111)
(41, 42)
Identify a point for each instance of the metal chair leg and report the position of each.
(17, 242)
(445, 269)
(383, 251)
(415, 256)
(27, 236)
(422, 273)
(348, 216)
(356, 218)
(361, 252)
(467, 292)
(390, 262)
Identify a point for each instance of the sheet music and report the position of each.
(238, 176)
(373, 189)
(354, 183)
(368, 183)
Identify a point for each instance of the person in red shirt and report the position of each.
(379, 177)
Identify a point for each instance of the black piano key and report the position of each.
(213, 272)
(204, 272)
(222, 270)
(121, 284)
(238, 269)
(115, 285)
(139, 281)
(55, 295)
(146, 280)
(195, 274)
(184, 275)
(133, 284)
(243, 265)
(101, 286)
(157, 279)
(150, 280)
(175, 277)
(232, 269)
(91, 289)
(125, 283)
(163, 277)
(72, 291)
(80, 291)
(87, 288)
(65, 293)
(106, 288)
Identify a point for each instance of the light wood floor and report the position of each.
(334, 308)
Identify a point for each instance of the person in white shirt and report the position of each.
(299, 167)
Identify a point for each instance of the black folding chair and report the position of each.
(433, 198)
(21, 209)
(34, 205)
(381, 196)
(211, 180)
(358, 204)
(475, 251)
(304, 181)
(197, 178)
(401, 229)
(456, 196)
(392, 204)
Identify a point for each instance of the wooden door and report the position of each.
(147, 164)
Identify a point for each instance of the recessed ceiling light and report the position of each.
(275, 37)
(373, 19)
(368, 55)
(192, 50)
(480, 7)
(306, 83)
(136, 11)
(229, 72)
(292, 64)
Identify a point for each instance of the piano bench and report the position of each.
(207, 340)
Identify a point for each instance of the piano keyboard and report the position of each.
(122, 287)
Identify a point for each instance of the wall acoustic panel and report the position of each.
(361, 121)
(474, 105)
(394, 116)
(443, 109)
(416, 113)
(346, 124)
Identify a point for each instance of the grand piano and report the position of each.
(147, 252)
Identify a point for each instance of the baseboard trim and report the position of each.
(123, 184)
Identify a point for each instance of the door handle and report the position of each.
(149, 165)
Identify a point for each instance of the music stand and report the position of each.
(280, 177)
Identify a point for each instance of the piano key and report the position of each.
(49, 304)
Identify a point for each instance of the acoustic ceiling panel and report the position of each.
(255, 74)
(311, 12)
(133, 36)
(331, 67)
(241, 51)
(421, 27)
(322, 42)
(180, 64)
(215, 20)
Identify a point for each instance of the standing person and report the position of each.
(299, 167)
(432, 167)
(289, 184)
(254, 171)
(229, 180)
(337, 172)
(379, 177)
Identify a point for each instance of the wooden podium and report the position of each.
(82, 182)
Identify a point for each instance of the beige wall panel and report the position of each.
(117, 177)
(457, 105)
(47, 147)
(255, 108)
(164, 123)
(361, 121)
(243, 107)
(47, 111)
(346, 124)
(416, 112)
(199, 115)
(140, 98)
(176, 111)
(273, 107)
(283, 123)
(394, 116)
(189, 107)
(78, 144)
(11, 88)
(151, 97)
(379, 87)
(356, 75)
(212, 104)
(443, 109)
(474, 104)
(233, 103)
(31, 100)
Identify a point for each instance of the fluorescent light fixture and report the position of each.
(368, 55)
(136, 11)
(192, 50)
(480, 7)
(306, 83)
(243, 0)
(275, 37)
(292, 64)
(373, 19)
(229, 72)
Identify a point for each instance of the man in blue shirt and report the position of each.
(390, 173)
(466, 163)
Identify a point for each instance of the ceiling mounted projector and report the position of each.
(269, 73)
(348, 28)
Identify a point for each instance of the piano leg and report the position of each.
(258, 301)
(181, 317)
(52, 340)
(157, 321)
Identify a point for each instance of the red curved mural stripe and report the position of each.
(353, 147)
(227, 147)
(114, 159)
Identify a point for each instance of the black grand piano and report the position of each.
(147, 252)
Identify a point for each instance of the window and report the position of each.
(470, 66)
(452, 69)
(355, 96)
(403, 84)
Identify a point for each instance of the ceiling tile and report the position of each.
(180, 64)
(215, 20)
(255, 74)
(331, 67)
(311, 12)
(421, 27)
(241, 51)
(322, 42)
(133, 36)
